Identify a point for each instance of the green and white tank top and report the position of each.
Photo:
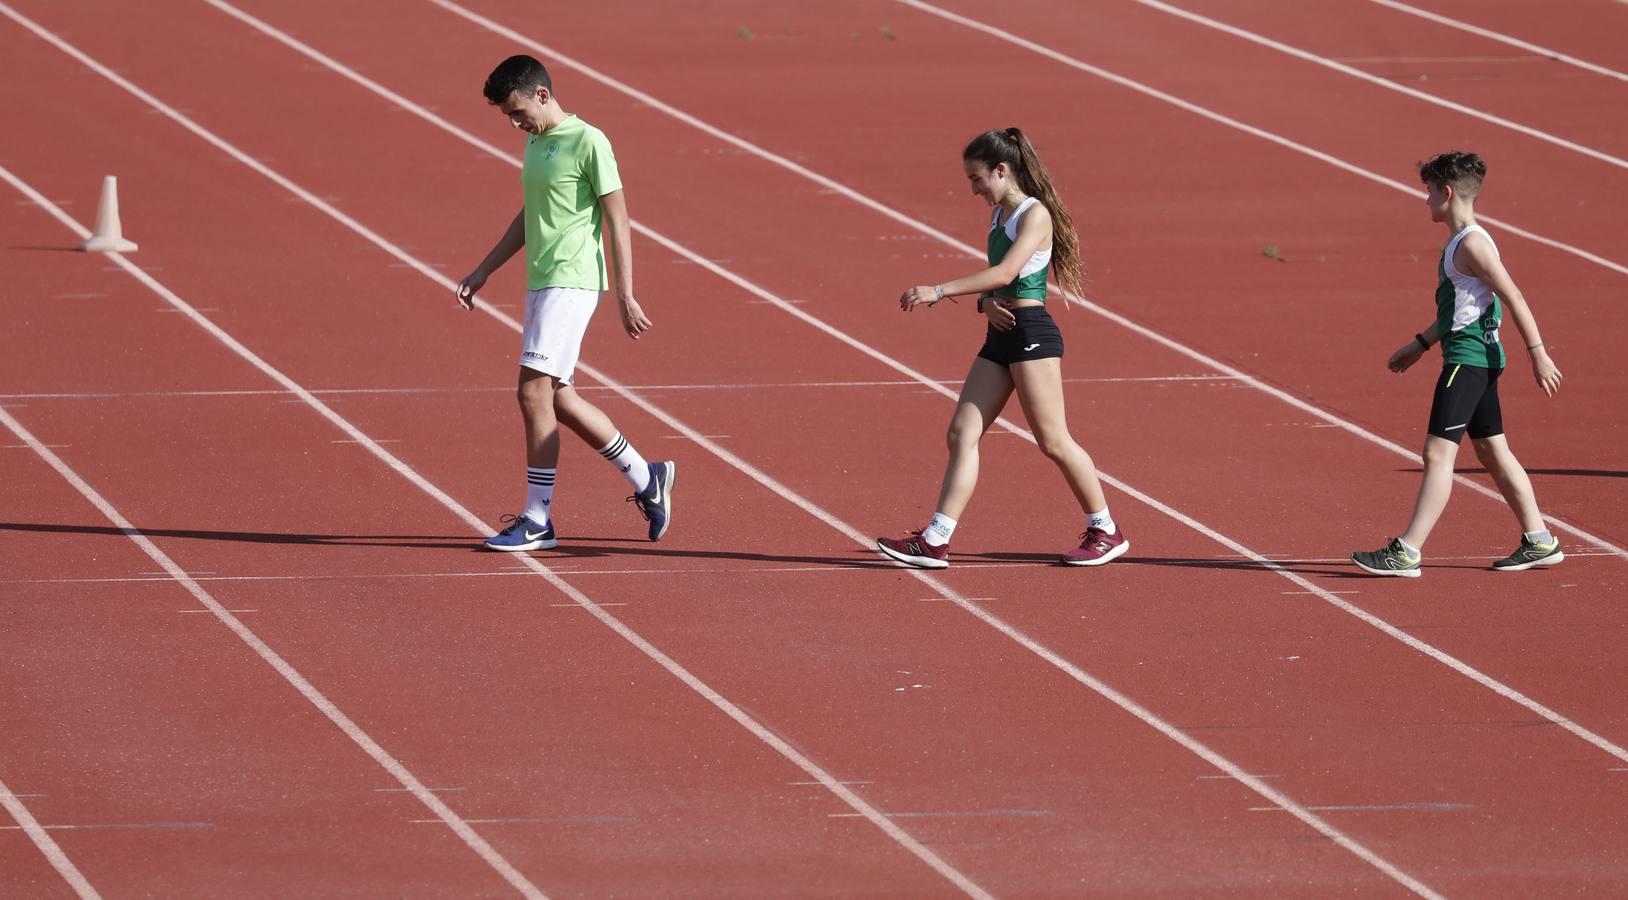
(1031, 281)
(1468, 313)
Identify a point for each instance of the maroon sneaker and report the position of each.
(913, 550)
(1097, 548)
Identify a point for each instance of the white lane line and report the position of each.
(964, 814)
(1080, 675)
(967, 249)
(103, 826)
(1502, 38)
(1216, 364)
(353, 731)
(48, 848)
(477, 526)
(755, 386)
(1387, 84)
(1379, 807)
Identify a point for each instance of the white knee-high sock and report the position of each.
(539, 494)
(627, 461)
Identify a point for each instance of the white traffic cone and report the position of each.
(109, 235)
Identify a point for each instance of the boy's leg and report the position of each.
(1434, 489)
(533, 529)
(1512, 481)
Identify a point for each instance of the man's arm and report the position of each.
(508, 245)
(613, 206)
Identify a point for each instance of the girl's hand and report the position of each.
(921, 294)
(1404, 358)
(1543, 369)
(1000, 318)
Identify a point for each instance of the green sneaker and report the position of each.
(1530, 554)
(1391, 559)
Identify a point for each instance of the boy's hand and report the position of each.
(1000, 318)
(634, 321)
(1544, 370)
(467, 288)
(1404, 358)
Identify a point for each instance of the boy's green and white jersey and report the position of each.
(567, 169)
(1468, 313)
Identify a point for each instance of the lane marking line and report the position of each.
(1503, 39)
(48, 848)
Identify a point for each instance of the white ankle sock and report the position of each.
(939, 530)
(1102, 520)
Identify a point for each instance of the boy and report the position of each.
(571, 189)
(1472, 290)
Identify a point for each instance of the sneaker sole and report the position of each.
(1102, 560)
(1395, 573)
(920, 562)
(667, 489)
(1546, 561)
(548, 544)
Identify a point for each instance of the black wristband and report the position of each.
(1423, 344)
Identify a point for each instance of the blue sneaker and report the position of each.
(522, 534)
(655, 502)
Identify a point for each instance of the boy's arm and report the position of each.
(1411, 352)
(613, 206)
(507, 245)
(1476, 257)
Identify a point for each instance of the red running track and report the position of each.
(587, 767)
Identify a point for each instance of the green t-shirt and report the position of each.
(567, 169)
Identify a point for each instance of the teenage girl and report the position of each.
(1030, 234)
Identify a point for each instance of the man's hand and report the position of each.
(634, 321)
(473, 282)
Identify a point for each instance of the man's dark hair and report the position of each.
(1464, 171)
(522, 74)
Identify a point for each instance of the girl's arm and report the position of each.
(1034, 232)
(1410, 353)
(1475, 256)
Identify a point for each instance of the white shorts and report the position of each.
(556, 320)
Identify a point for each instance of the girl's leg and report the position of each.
(1040, 390)
(1434, 489)
(984, 394)
(1512, 481)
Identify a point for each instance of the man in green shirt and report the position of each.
(572, 190)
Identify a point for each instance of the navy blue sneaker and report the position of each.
(521, 535)
(655, 502)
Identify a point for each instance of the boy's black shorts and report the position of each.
(1466, 401)
(1035, 336)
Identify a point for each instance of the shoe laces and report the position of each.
(511, 522)
(638, 503)
(1100, 541)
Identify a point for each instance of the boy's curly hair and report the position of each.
(1464, 171)
(517, 74)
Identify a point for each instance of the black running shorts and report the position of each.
(1035, 336)
(1466, 402)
